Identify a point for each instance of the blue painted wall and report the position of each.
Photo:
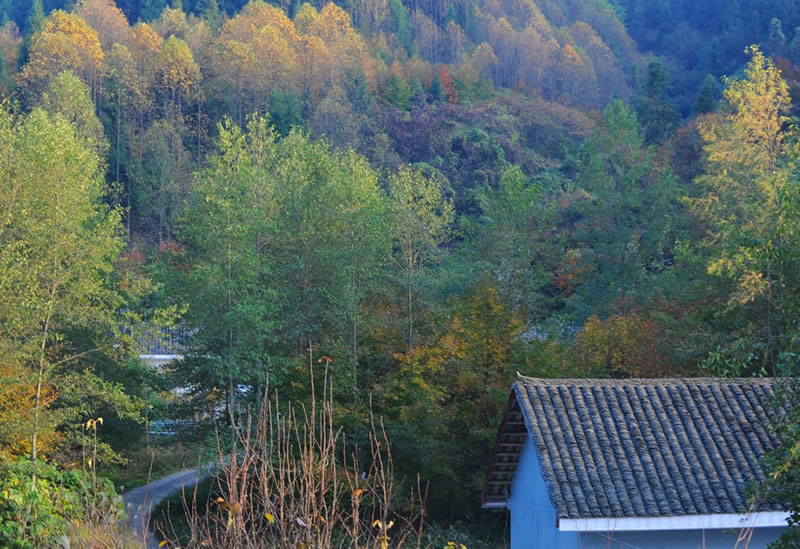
(533, 518)
(533, 522)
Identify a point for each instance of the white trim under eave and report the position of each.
(161, 357)
(494, 504)
(684, 522)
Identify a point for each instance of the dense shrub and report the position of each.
(39, 503)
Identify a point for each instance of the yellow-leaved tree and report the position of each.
(750, 204)
(176, 72)
(65, 43)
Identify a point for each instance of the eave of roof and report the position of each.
(718, 521)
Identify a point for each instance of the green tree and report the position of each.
(3, 75)
(776, 41)
(627, 216)
(149, 10)
(784, 461)
(68, 96)
(286, 241)
(285, 111)
(330, 210)
(400, 25)
(436, 90)
(119, 90)
(398, 93)
(421, 223)
(161, 181)
(794, 47)
(35, 18)
(57, 244)
(210, 11)
(231, 303)
(658, 115)
(513, 243)
(707, 98)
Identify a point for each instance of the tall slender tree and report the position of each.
(422, 221)
(750, 205)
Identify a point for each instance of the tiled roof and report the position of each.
(639, 448)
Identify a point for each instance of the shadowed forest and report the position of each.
(398, 203)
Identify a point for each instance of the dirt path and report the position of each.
(140, 501)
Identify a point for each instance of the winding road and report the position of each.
(140, 501)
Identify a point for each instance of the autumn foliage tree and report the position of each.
(66, 42)
(623, 345)
(106, 19)
(176, 72)
(455, 387)
(750, 204)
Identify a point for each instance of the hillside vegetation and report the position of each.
(403, 202)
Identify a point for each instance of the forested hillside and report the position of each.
(425, 197)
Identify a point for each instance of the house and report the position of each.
(634, 463)
(159, 346)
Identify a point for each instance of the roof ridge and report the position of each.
(633, 382)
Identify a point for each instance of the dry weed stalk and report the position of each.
(290, 481)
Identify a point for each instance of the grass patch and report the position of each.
(159, 459)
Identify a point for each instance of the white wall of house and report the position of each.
(534, 526)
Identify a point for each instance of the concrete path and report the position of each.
(139, 501)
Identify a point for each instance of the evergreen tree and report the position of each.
(627, 222)
(35, 18)
(483, 89)
(712, 59)
(355, 87)
(794, 47)
(285, 111)
(451, 14)
(658, 115)
(398, 93)
(417, 91)
(436, 90)
(3, 74)
(400, 25)
(209, 9)
(707, 98)
(776, 42)
(150, 10)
